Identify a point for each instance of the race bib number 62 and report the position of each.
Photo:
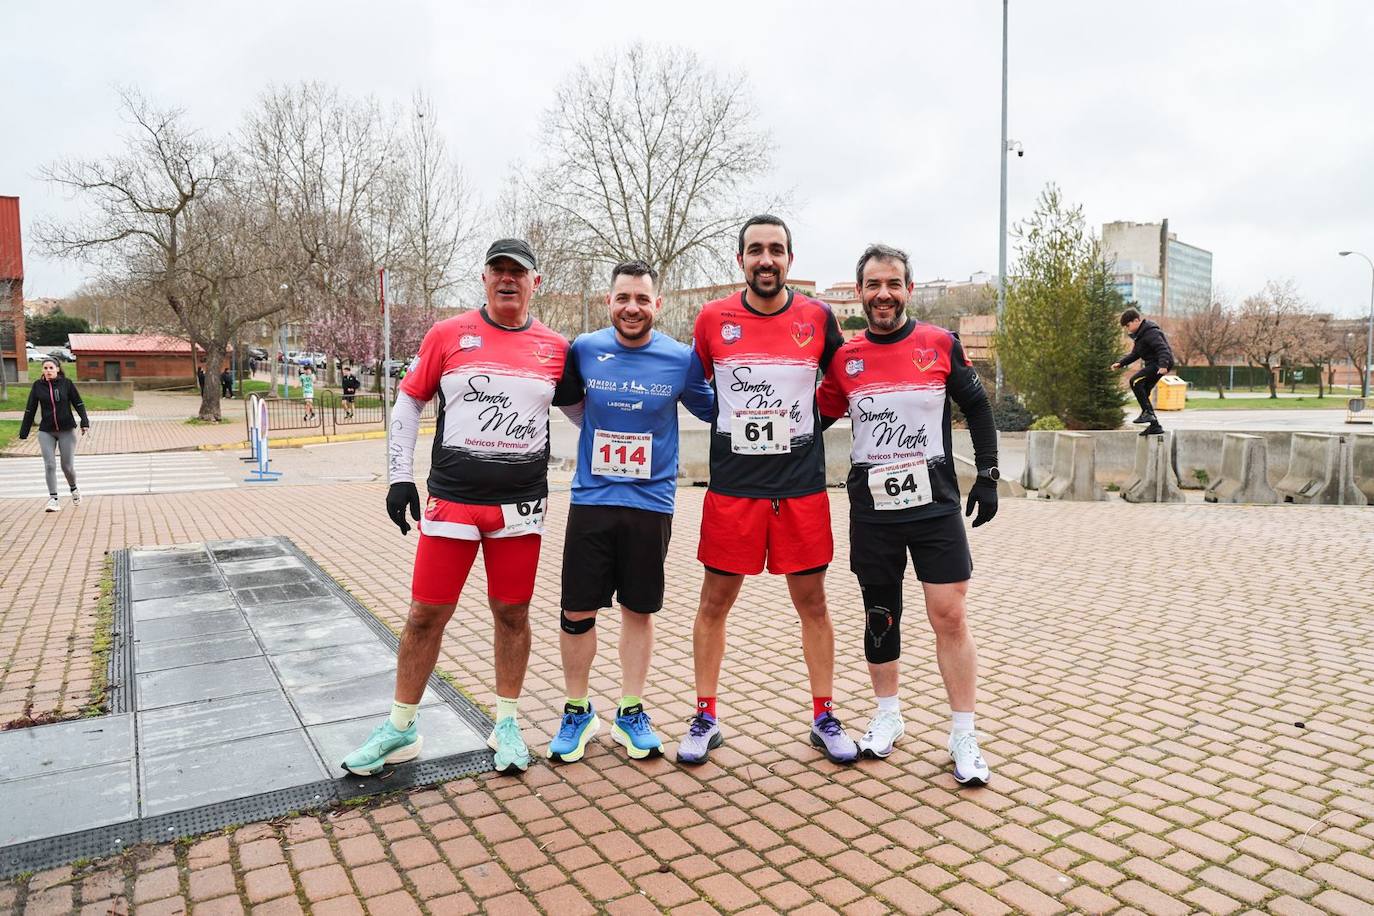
(526, 515)
(765, 431)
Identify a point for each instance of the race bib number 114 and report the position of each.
(616, 454)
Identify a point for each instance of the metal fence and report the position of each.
(327, 414)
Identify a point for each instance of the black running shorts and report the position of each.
(614, 551)
(938, 548)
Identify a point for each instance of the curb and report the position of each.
(301, 441)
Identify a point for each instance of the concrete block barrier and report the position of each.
(1244, 473)
(1113, 456)
(1073, 474)
(1320, 472)
(1197, 455)
(1362, 463)
(1154, 480)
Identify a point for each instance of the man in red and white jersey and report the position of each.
(896, 381)
(762, 349)
(495, 372)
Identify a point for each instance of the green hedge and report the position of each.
(1244, 377)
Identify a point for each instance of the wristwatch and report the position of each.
(991, 474)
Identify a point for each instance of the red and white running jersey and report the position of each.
(495, 385)
(894, 389)
(766, 438)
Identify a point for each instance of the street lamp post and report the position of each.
(1369, 335)
(1002, 211)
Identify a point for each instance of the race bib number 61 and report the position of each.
(765, 431)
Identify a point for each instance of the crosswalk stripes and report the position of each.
(161, 472)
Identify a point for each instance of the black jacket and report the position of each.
(1150, 347)
(53, 401)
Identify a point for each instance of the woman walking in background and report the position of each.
(52, 397)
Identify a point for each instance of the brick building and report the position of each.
(134, 357)
(12, 357)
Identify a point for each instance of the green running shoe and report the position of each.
(385, 745)
(512, 756)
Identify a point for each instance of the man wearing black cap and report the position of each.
(495, 371)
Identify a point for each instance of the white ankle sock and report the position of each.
(960, 722)
(889, 704)
(403, 715)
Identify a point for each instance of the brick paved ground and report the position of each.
(1145, 669)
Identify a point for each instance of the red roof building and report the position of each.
(134, 357)
(12, 356)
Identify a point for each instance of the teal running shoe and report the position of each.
(512, 756)
(634, 730)
(385, 745)
(577, 730)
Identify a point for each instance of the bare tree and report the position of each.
(165, 220)
(1316, 344)
(1352, 347)
(569, 279)
(324, 162)
(1269, 322)
(1213, 333)
(438, 231)
(651, 155)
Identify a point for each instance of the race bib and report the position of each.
(526, 515)
(616, 454)
(763, 431)
(900, 485)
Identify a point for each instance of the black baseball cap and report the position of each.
(518, 250)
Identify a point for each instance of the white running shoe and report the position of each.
(76, 497)
(970, 769)
(883, 732)
(53, 505)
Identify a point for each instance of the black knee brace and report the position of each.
(882, 622)
(575, 627)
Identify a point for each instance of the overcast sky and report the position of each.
(1247, 124)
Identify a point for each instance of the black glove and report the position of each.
(404, 494)
(982, 494)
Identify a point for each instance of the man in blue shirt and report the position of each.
(621, 516)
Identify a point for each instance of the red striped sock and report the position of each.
(706, 706)
(820, 706)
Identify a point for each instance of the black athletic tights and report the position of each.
(1142, 383)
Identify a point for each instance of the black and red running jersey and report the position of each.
(494, 385)
(894, 388)
(766, 438)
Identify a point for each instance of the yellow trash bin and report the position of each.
(1171, 393)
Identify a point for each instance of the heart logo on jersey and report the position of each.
(803, 332)
(543, 352)
(924, 358)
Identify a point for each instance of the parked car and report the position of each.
(35, 355)
(256, 352)
(62, 353)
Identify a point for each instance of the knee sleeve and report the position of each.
(882, 622)
(575, 627)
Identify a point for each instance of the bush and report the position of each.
(854, 323)
(1009, 415)
(1049, 422)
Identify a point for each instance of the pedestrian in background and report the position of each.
(308, 391)
(1151, 347)
(226, 383)
(52, 397)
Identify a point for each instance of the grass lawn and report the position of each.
(1330, 402)
(324, 397)
(19, 394)
(9, 431)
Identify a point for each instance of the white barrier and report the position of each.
(1072, 472)
(263, 473)
(1319, 472)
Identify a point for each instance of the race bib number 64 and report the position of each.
(765, 431)
(900, 485)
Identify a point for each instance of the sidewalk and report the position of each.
(1142, 717)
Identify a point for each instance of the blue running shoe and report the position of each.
(385, 745)
(703, 736)
(634, 730)
(512, 756)
(829, 735)
(577, 729)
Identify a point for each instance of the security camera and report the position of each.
(1020, 153)
(1015, 146)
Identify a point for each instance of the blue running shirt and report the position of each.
(627, 451)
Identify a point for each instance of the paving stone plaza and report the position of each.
(1176, 700)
